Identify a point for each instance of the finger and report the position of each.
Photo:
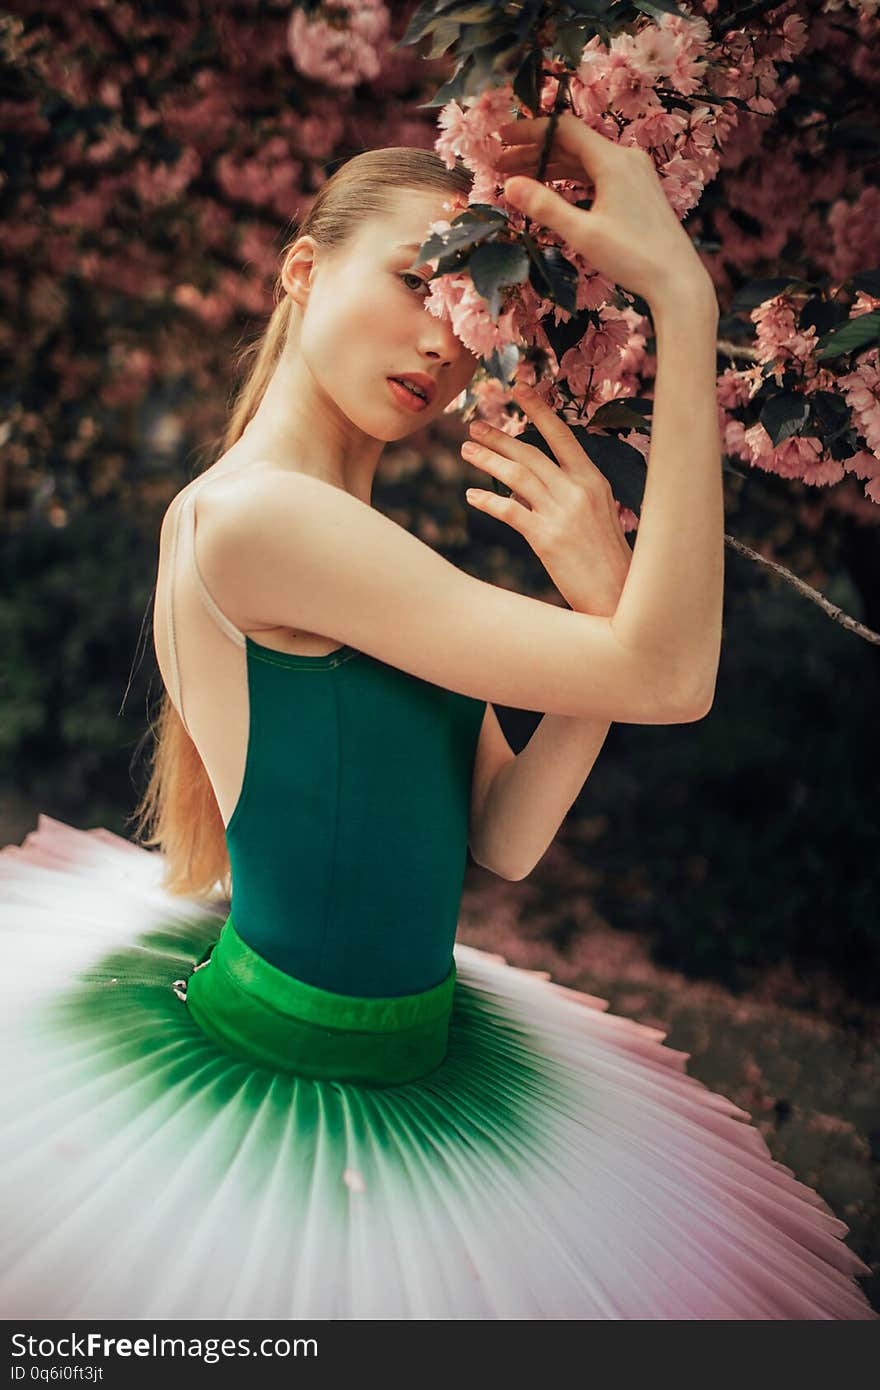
(506, 509)
(560, 437)
(514, 473)
(512, 448)
(595, 153)
(543, 205)
(594, 150)
(523, 159)
(509, 165)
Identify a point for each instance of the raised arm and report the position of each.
(670, 608)
(672, 598)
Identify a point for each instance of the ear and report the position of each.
(296, 272)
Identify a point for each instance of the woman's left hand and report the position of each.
(571, 520)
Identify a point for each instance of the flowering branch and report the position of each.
(801, 401)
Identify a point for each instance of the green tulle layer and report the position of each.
(259, 1013)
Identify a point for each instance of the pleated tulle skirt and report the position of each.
(558, 1162)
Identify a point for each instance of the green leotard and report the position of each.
(348, 843)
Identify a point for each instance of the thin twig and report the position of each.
(731, 349)
(829, 608)
(738, 19)
(549, 133)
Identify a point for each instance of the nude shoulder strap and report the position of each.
(183, 547)
(188, 551)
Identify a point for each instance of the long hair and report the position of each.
(178, 812)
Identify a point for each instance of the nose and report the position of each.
(439, 342)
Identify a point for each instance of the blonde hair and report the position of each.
(178, 812)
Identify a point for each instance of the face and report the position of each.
(363, 320)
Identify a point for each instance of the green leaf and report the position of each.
(452, 90)
(486, 210)
(494, 267)
(444, 37)
(502, 363)
(570, 40)
(466, 231)
(562, 336)
(552, 275)
(618, 415)
(488, 37)
(853, 336)
(829, 415)
(491, 68)
(597, 10)
(843, 446)
(821, 314)
(658, 7)
(426, 17)
(472, 13)
(783, 415)
(431, 14)
(526, 84)
(621, 463)
(756, 292)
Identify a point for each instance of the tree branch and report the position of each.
(831, 609)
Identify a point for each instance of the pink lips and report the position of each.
(405, 397)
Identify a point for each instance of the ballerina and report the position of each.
(299, 1096)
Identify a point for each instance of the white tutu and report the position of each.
(560, 1163)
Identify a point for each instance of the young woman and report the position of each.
(312, 1101)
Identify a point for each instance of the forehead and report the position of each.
(404, 226)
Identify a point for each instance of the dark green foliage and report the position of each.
(750, 836)
(75, 615)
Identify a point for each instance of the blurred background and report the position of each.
(718, 879)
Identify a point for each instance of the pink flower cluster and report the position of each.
(861, 390)
(623, 90)
(342, 43)
(781, 348)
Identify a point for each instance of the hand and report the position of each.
(630, 234)
(570, 520)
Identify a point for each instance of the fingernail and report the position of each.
(516, 190)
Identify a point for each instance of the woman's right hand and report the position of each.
(631, 233)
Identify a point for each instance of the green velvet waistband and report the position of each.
(257, 1012)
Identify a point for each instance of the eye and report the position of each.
(411, 275)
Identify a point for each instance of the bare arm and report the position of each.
(288, 549)
(671, 603)
(527, 798)
(672, 598)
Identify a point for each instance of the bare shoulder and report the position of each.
(232, 499)
(222, 497)
(240, 513)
